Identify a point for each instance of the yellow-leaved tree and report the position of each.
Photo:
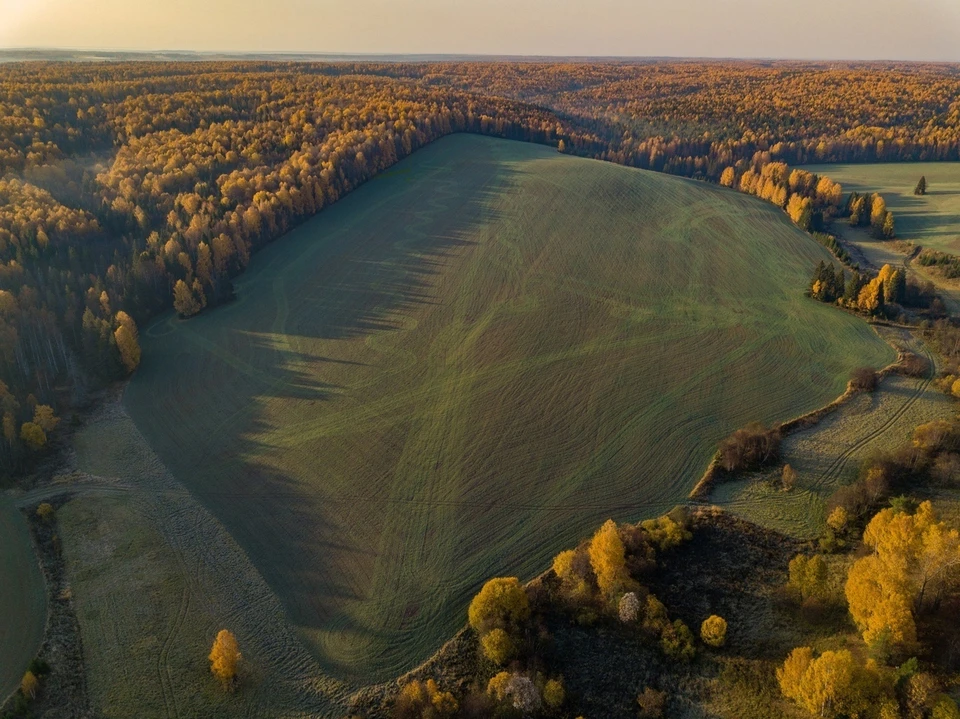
(608, 559)
(713, 631)
(225, 658)
(502, 602)
(128, 343)
(915, 560)
(832, 684)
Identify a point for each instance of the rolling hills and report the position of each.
(469, 363)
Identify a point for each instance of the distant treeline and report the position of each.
(129, 188)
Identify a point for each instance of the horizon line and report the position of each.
(467, 55)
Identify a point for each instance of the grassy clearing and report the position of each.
(932, 220)
(467, 365)
(153, 578)
(828, 455)
(23, 602)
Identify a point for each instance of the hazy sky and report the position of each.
(867, 29)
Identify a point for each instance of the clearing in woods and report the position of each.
(467, 365)
(23, 598)
(931, 220)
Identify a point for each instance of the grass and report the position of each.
(932, 220)
(154, 577)
(828, 455)
(23, 600)
(467, 365)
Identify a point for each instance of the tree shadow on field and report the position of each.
(213, 393)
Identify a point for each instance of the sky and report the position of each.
(822, 29)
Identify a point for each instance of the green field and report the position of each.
(23, 602)
(469, 363)
(829, 454)
(932, 220)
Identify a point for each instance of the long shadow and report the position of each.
(211, 391)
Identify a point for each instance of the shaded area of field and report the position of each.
(154, 577)
(932, 220)
(828, 455)
(23, 599)
(467, 365)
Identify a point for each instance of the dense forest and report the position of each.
(128, 188)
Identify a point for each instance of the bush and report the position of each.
(498, 647)
(913, 365)
(554, 694)
(864, 379)
(676, 642)
(788, 478)
(652, 703)
(713, 631)
(501, 602)
(629, 608)
(750, 448)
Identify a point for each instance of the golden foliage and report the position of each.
(424, 700)
(713, 631)
(832, 684)
(29, 685)
(45, 511)
(225, 658)
(498, 647)
(501, 601)
(915, 560)
(554, 694)
(608, 559)
(32, 435)
(838, 519)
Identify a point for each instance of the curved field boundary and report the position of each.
(715, 472)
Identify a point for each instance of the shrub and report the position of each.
(864, 379)
(750, 448)
(652, 703)
(629, 608)
(498, 647)
(713, 631)
(421, 700)
(676, 642)
(808, 576)
(666, 533)
(788, 478)
(837, 519)
(655, 615)
(554, 694)
(29, 685)
(913, 365)
(45, 511)
(502, 601)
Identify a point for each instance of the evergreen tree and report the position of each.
(921, 186)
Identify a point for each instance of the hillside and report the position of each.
(470, 362)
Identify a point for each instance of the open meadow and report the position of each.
(468, 364)
(931, 220)
(22, 598)
(828, 455)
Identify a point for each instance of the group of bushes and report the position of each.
(598, 582)
(947, 264)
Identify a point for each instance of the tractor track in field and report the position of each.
(840, 462)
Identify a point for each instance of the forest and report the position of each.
(129, 188)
